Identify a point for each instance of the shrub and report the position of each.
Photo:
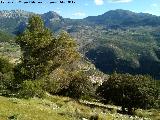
(129, 91)
(6, 76)
(31, 89)
(5, 65)
(56, 81)
(54, 86)
(71, 84)
(80, 86)
(6, 83)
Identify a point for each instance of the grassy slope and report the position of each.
(26, 110)
(60, 108)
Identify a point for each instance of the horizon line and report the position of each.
(34, 12)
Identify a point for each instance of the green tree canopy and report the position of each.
(129, 91)
(80, 86)
(5, 65)
(6, 76)
(42, 52)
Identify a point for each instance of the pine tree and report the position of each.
(42, 52)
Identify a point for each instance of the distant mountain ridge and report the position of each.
(14, 13)
(124, 18)
(118, 40)
(115, 18)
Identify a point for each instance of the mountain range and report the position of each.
(118, 40)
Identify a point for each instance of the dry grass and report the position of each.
(61, 108)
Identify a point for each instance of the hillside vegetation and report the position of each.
(51, 64)
(8, 47)
(103, 39)
(63, 108)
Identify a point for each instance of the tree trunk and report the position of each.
(130, 111)
(123, 109)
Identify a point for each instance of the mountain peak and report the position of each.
(119, 13)
(15, 13)
(127, 13)
(51, 15)
(124, 18)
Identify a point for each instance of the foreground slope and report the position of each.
(63, 108)
(11, 108)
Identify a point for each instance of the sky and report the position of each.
(82, 8)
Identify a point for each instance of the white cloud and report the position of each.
(79, 14)
(154, 5)
(99, 2)
(120, 1)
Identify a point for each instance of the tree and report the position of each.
(31, 89)
(5, 65)
(129, 91)
(6, 76)
(80, 86)
(42, 52)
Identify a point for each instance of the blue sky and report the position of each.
(83, 8)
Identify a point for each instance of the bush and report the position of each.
(5, 65)
(55, 86)
(80, 86)
(56, 81)
(157, 104)
(6, 84)
(31, 89)
(6, 76)
(72, 84)
(129, 91)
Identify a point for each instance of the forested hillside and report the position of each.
(49, 73)
(104, 39)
